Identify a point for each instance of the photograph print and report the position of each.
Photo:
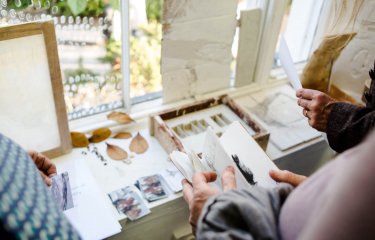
(61, 191)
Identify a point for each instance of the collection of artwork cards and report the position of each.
(129, 201)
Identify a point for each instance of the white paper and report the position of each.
(236, 140)
(173, 178)
(288, 65)
(90, 215)
(217, 155)
(183, 164)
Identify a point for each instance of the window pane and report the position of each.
(145, 49)
(89, 44)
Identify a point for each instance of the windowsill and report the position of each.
(140, 112)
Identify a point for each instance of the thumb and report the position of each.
(228, 179)
(46, 179)
(287, 177)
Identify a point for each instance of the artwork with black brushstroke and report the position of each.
(246, 172)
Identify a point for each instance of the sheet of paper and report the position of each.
(183, 164)
(218, 159)
(173, 178)
(278, 110)
(91, 215)
(236, 141)
(61, 191)
(288, 65)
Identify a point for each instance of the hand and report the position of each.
(46, 168)
(199, 192)
(316, 107)
(287, 177)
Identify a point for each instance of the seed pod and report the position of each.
(123, 135)
(120, 117)
(79, 139)
(99, 135)
(116, 153)
(138, 144)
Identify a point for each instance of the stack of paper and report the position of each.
(236, 148)
(91, 215)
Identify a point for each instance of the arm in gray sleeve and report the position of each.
(243, 214)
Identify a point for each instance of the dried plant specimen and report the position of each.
(100, 134)
(79, 139)
(317, 72)
(120, 117)
(123, 135)
(138, 144)
(116, 153)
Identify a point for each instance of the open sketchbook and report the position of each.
(235, 147)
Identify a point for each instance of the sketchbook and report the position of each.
(236, 148)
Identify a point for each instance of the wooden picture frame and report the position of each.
(32, 107)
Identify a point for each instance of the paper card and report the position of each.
(183, 164)
(173, 178)
(249, 154)
(152, 187)
(288, 65)
(61, 191)
(215, 155)
(128, 202)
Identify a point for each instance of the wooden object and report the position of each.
(196, 46)
(248, 43)
(171, 141)
(32, 104)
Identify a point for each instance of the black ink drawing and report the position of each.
(246, 172)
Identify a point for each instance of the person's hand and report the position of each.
(46, 168)
(197, 193)
(287, 177)
(316, 107)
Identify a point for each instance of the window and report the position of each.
(145, 48)
(299, 26)
(99, 73)
(89, 45)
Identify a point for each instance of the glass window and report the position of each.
(145, 49)
(89, 43)
(298, 26)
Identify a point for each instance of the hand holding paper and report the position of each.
(250, 162)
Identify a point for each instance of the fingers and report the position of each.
(43, 163)
(304, 103)
(46, 179)
(228, 179)
(287, 177)
(204, 177)
(306, 93)
(187, 190)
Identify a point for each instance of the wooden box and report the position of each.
(185, 126)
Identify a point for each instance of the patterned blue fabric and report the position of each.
(27, 210)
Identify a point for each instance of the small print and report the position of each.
(173, 178)
(152, 188)
(129, 202)
(61, 191)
